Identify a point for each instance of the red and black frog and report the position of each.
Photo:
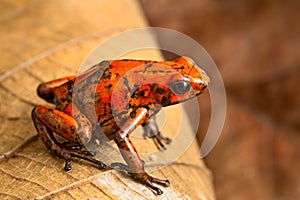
(110, 100)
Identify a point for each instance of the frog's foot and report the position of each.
(67, 153)
(143, 178)
(151, 131)
(157, 139)
(148, 180)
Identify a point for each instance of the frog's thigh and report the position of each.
(45, 90)
(57, 121)
(48, 120)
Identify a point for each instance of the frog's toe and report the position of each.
(151, 130)
(153, 187)
(67, 153)
(101, 165)
(165, 183)
(148, 180)
(67, 165)
(158, 140)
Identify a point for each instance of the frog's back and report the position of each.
(93, 89)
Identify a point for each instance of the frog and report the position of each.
(111, 99)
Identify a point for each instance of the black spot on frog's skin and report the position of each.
(133, 114)
(73, 128)
(108, 86)
(126, 60)
(160, 90)
(70, 91)
(69, 84)
(141, 93)
(153, 87)
(148, 61)
(106, 75)
(165, 100)
(137, 93)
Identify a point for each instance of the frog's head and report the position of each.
(189, 82)
(164, 83)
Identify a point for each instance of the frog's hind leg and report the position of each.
(151, 131)
(45, 90)
(48, 120)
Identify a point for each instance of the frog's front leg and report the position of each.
(151, 131)
(130, 155)
(48, 120)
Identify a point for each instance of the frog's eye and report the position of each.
(181, 87)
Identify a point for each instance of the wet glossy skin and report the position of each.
(118, 96)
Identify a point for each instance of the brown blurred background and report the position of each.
(256, 46)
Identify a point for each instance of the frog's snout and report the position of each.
(200, 84)
(205, 78)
